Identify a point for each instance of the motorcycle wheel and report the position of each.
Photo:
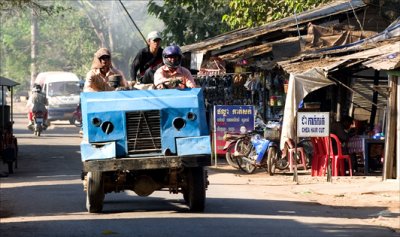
(271, 160)
(230, 158)
(281, 163)
(245, 149)
(94, 192)
(75, 122)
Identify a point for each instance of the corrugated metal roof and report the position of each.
(364, 88)
(237, 36)
(247, 52)
(7, 82)
(380, 56)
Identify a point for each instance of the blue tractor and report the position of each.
(145, 140)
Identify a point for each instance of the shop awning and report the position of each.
(237, 37)
(7, 82)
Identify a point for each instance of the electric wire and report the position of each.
(126, 22)
(132, 21)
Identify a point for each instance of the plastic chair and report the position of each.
(319, 156)
(337, 157)
(292, 151)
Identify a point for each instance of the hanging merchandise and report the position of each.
(276, 95)
(225, 89)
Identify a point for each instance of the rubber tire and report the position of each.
(94, 192)
(245, 148)
(16, 153)
(185, 196)
(281, 163)
(10, 167)
(196, 193)
(38, 131)
(228, 156)
(271, 160)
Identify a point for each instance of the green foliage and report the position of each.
(35, 5)
(250, 13)
(66, 43)
(188, 21)
(67, 38)
(15, 49)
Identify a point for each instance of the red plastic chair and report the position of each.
(319, 156)
(338, 158)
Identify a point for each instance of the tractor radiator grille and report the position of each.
(143, 132)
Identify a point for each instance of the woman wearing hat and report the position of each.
(97, 79)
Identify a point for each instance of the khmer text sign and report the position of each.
(230, 118)
(313, 124)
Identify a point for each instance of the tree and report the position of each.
(250, 13)
(65, 42)
(188, 21)
(115, 31)
(22, 5)
(67, 39)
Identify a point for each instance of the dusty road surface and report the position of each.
(45, 198)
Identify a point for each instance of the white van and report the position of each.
(62, 90)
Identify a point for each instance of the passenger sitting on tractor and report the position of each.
(97, 79)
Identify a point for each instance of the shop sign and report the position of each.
(313, 124)
(231, 118)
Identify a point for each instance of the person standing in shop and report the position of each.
(342, 129)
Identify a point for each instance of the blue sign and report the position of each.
(231, 118)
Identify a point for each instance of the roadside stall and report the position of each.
(374, 55)
(312, 44)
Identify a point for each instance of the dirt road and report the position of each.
(354, 193)
(45, 198)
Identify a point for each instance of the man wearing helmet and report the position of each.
(172, 75)
(37, 102)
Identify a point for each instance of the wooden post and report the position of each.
(390, 130)
(295, 174)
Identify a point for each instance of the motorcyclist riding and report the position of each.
(172, 75)
(37, 102)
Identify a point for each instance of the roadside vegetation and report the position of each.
(60, 35)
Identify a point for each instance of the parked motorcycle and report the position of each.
(229, 147)
(255, 151)
(38, 123)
